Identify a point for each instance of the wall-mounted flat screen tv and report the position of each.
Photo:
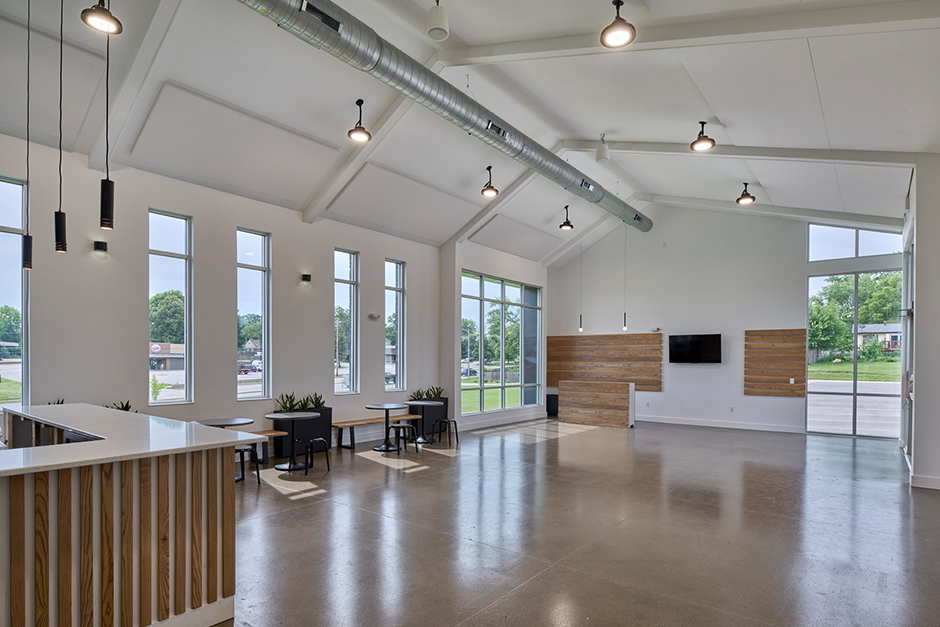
(695, 349)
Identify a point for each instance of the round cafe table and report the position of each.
(422, 436)
(387, 407)
(222, 423)
(292, 463)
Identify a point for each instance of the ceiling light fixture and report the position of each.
(703, 142)
(106, 212)
(603, 151)
(624, 277)
(101, 19)
(488, 190)
(61, 245)
(746, 198)
(566, 225)
(359, 133)
(620, 32)
(438, 29)
(27, 238)
(580, 287)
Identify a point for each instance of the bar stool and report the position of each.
(444, 424)
(401, 429)
(248, 448)
(308, 452)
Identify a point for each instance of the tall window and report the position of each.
(394, 325)
(170, 376)
(345, 321)
(499, 354)
(253, 262)
(13, 299)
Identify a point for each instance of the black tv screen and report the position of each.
(695, 349)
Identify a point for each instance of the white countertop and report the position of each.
(125, 435)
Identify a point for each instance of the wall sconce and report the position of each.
(101, 250)
(375, 316)
(305, 280)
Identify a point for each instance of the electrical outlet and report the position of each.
(732, 410)
(792, 381)
(647, 403)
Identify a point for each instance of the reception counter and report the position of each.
(115, 518)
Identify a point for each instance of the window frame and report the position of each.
(502, 301)
(265, 316)
(24, 290)
(857, 231)
(187, 301)
(353, 321)
(401, 297)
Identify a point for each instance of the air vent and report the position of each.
(587, 185)
(328, 21)
(495, 128)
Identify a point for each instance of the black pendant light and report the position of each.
(566, 225)
(106, 219)
(703, 142)
(101, 19)
(746, 198)
(624, 277)
(27, 238)
(358, 133)
(61, 246)
(488, 190)
(581, 288)
(620, 32)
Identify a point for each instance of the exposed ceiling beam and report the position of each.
(837, 218)
(801, 24)
(757, 153)
(346, 168)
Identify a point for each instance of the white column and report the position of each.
(926, 441)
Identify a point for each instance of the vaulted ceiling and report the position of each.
(819, 104)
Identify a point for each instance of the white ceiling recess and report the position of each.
(796, 184)
(874, 191)
(194, 138)
(542, 205)
(390, 202)
(695, 176)
(516, 238)
(82, 71)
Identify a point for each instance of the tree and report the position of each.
(168, 317)
(10, 324)
(245, 322)
(827, 331)
(252, 331)
(879, 298)
(469, 340)
(391, 330)
(343, 335)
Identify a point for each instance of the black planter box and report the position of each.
(321, 427)
(433, 414)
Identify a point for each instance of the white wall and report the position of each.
(89, 318)
(695, 272)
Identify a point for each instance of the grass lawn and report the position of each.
(468, 401)
(10, 391)
(867, 371)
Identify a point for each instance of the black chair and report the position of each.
(308, 452)
(444, 424)
(248, 448)
(401, 430)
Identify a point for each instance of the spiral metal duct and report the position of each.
(331, 29)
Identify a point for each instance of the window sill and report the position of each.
(163, 403)
(345, 393)
(254, 398)
(396, 389)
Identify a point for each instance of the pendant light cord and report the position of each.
(107, 106)
(581, 279)
(29, 35)
(61, 50)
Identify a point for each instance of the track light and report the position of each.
(101, 19)
(438, 29)
(359, 133)
(746, 197)
(566, 225)
(488, 190)
(603, 151)
(620, 32)
(703, 142)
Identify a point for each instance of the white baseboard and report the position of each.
(922, 481)
(723, 424)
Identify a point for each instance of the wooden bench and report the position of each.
(271, 433)
(358, 422)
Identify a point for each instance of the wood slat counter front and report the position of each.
(132, 524)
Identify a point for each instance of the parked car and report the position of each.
(257, 366)
(244, 368)
(389, 377)
(468, 372)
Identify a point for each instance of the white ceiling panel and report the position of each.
(391, 201)
(680, 8)
(872, 190)
(880, 91)
(795, 184)
(541, 204)
(641, 96)
(690, 176)
(513, 237)
(82, 72)
(194, 138)
(763, 93)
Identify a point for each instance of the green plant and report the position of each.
(58, 401)
(125, 406)
(316, 401)
(417, 395)
(286, 402)
(156, 387)
(434, 392)
(304, 403)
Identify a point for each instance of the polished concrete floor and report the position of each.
(549, 524)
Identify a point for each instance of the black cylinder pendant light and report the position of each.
(27, 238)
(61, 246)
(106, 218)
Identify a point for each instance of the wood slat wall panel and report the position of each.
(18, 551)
(771, 359)
(86, 547)
(196, 542)
(163, 537)
(107, 545)
(632, 357)
(594, 402)
(127, 542)
(179, 554)
(228, 522)
(64, 516)
(212, 525)
(146, 541)
(41, 548)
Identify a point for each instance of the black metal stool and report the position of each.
(253, 449)
(400, 430)
(446, 424)
(308, 452)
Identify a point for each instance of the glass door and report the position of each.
(855, 347)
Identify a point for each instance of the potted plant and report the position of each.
(303, 429)
(431, 414)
